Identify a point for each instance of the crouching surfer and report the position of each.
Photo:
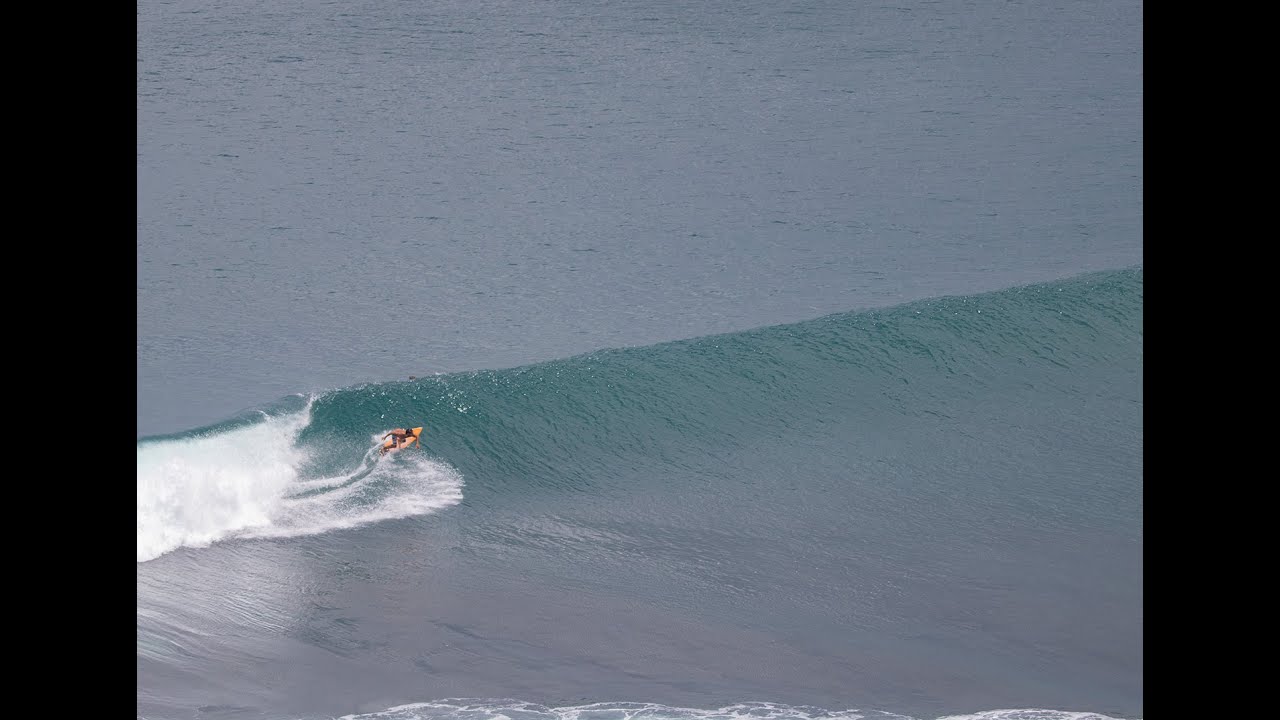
(400, 438)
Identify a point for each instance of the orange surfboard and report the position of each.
(390, 444)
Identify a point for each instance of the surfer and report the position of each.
(401, 435)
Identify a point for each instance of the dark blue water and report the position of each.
(775, 361)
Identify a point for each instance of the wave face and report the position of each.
(559, 424)
(932, 507)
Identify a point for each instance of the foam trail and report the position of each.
(414, 485)
(304, 488)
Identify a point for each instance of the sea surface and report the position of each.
(777, 360)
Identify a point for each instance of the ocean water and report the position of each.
(776, 360)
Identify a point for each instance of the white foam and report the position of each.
(244, 482)
(1030, 714)
(477, 709)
